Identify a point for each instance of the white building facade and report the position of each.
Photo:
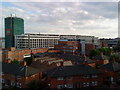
(47, 40)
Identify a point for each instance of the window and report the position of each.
(60, 86)
(19, 85)
(2, 73)
(94, 83)
(3, 81)
(12, 83)
(94, 76)
(86, 76)
(86, 84)
(70, 85)
(60, 78)
(69, 78)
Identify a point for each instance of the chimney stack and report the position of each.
(25, 63)
(61, 64)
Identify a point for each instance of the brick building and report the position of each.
(78, 76)
(74, 46)
(20, 54)
(18, 75)
(111, 71)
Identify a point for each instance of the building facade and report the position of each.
(48, 40)
(13, 26)
(74, 77)
(20, 54)
(18, 75)
(74, 46)
(36, 41)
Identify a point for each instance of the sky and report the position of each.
(98, 19)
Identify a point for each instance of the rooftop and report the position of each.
(72, 71)
(18, 70)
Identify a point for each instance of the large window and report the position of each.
(60, 78)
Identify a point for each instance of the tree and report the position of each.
(115, 58)
(94, 52)
(97, 51)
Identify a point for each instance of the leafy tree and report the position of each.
(97, 51)
(115, 58)
(94, 52)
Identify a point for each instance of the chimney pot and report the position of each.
(25, 63)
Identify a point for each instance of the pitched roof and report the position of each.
(40, 66)
(112, 66)
(18, 70)
(101, 57)
(72, 71)
(74, 58)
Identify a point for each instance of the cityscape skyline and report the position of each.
(95, 19)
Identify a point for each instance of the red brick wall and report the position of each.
(23, 80)
(88, 48)
(54, 82)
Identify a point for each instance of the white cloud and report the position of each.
(69, 18)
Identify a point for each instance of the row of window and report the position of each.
(84, 76)
(11, 83)
(84, 84)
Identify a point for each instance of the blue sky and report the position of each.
(98, 19)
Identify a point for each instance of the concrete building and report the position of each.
(13, 26)
(48, 40)
(87, 39)
(36, 41)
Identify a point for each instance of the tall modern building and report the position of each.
(13, 26)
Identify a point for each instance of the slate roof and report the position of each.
(40, 66)
(101, 57)
(112, 66)
(74, 58)
(18, 70)
(72, 71)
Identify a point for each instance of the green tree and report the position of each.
(114, 58)
(94, 52)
